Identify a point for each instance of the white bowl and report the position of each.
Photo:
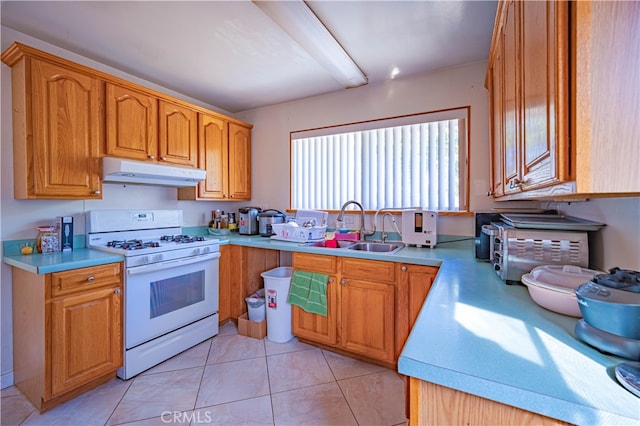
(552, 287)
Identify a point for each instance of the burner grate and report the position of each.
(132, 244)
(181, 238)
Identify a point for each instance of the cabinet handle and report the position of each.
(343, 281)
(152, 157)
(117, 291)
(164, 158)
(403, 268)
(490, 193)
(91, 279)
(98, 192)
(331, 280)
(516, 183)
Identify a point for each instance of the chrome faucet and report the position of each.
(384, 234)
(340, 218)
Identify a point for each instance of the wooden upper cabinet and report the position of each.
(529, 92)
(178, 133)
(496, 107)
(224, 151)
(606, 96)
(213, 156)
(132, 123)
(544, 32)
(57, 128)
(66, 117)
(561, 122)
(239, 162)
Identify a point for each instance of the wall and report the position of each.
(456, 87)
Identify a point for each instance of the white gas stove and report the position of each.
(170, 282)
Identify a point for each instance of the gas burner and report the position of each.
(181, 238)
(132, 244)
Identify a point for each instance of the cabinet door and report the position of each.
(239, 162)
(178, 132)
(367, 308)
(544, 39)
(213, 157)
(414, 283)
(496, 90)
(132, 124)
(86, 338)
(367, 318)
(511, 101)
(315, 327)
(62, 159)
(224, 283)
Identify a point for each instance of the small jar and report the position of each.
(47, 239)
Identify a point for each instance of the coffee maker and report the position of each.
(248, 220)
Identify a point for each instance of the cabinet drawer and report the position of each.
(86, 278)
(373, 270)
(315, 262)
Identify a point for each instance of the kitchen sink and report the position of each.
(376, 247)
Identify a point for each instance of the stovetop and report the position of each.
(162, 242)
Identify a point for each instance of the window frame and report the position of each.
(463, 112)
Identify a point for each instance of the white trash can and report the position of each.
(276, 285)
(255, 308)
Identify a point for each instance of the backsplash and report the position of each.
(618, 243)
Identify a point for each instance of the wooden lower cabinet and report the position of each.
(224, 283)
(314, 327)
(367, 308)
(433, 404)
(240, 269)
(67, 331)
(371, 305)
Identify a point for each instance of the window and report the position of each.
(418, 160)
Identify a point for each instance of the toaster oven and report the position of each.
(517, 251)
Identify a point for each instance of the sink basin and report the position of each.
(376, 247)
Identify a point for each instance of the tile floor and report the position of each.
(234, 380)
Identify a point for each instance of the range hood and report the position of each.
(120, 170)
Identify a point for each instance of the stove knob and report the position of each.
(158, 257)
(144, 260)
(206, 250)
(196, 251)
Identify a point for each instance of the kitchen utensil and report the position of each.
(611, 302)
(608, 342)
(549, 221)
(268, 217)
(419, 227)
(518, 251)
(552, 287)
(248, 220)
(628, 374)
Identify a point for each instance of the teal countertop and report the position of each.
(474, 334)
(478, 335)
(61, 261)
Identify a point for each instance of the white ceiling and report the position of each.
(229, 54)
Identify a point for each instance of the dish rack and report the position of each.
(294, 232)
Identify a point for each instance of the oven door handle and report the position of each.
(172, 264)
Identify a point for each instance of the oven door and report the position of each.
(165, 296)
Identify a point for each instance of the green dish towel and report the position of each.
(309, 291)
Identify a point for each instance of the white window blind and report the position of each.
(413, 161)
